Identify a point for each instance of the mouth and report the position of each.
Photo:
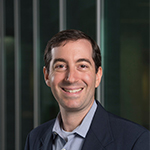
(72, 90)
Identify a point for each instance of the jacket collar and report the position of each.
(99, 134)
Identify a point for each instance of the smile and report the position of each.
(73, 91)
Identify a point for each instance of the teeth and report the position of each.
(73, 91)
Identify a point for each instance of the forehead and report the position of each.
(81, 47)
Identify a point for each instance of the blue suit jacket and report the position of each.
(107, 132)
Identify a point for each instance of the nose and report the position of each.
(71, 75)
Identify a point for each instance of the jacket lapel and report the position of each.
(92, 143)
(99, 134)
(46, 140)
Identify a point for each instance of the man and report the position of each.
(73, 71)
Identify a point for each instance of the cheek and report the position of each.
(89, 79)
(52, 80)
(55, 79)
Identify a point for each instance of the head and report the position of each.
(71, 35)
(72, 69)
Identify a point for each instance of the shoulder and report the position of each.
(120, 125)
(36, 137)
(42, 129)
(124, 133)
(129, 133)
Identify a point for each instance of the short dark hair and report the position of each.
(71, 35)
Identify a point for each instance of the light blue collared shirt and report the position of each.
(72, 140)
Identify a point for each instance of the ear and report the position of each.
(98, 76)
(46, 76)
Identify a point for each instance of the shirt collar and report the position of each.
(82, 129)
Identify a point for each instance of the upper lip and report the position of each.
(71, 88)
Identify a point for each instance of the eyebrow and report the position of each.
(79, 60)
(60, 60)
(84, 59)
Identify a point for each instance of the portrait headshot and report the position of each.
(74, 75)
(72, 71)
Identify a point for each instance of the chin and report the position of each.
(72, 107)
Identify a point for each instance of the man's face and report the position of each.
(72, 76)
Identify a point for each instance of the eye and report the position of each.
(60, 67)
(83, 66)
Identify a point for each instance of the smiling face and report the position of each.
(72, 76)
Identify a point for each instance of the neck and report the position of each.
(71, 120)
